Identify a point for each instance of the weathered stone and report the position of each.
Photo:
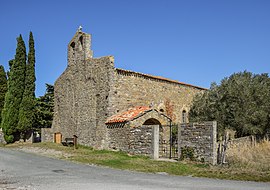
(205, 147)
(91, 90)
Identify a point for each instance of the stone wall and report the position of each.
(201, 137)
(81, 101)
(141, 140)
(134, 137)
(118, 137)
(131, 140)
(135, 89)
(242, 142)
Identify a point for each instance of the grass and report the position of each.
(252, 159)
(237, 170)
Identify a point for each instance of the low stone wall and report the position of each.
(201, 137)
(118, 137)
(141, 140)
(241, 142)
(47, 135)
(2, 140)
(134, 140)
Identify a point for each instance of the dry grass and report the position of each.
(252, 158)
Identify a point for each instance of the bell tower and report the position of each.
(79, 48)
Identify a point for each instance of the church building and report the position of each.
(108, 107)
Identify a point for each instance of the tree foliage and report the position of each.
(3, 88)
(13, 98)
(241, 102)
(26, 114)
(44, 108)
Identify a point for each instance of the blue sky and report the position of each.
(192, 41)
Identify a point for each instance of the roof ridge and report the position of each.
(160, 78)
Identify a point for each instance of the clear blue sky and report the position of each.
(193, 41)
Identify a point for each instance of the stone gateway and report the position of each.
(112, 108)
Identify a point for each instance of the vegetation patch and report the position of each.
(121, 160)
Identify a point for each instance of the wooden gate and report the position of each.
(58, 138)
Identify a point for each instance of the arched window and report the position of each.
(72, 45)
(184, 116)
(81, 40)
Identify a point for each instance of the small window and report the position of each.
(184, 116)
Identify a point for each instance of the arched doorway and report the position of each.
(156, 125)
(152, 121)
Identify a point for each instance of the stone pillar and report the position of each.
(214, 141)
(2, 140)
(155, 141)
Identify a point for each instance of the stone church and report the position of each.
(107, 107)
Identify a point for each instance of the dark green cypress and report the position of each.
(3, 88)
(16, 80)
(26, 115)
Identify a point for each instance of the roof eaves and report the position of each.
(159, 78)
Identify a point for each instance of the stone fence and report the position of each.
(242, 141)
(201, 139)
(132, 140)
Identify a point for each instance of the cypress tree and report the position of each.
(3, 88)
(26, 114)
(13, 98)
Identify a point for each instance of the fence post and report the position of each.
(179, 141)
(224, 147)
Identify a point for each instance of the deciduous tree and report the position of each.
(241, 102)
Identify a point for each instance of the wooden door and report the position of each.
(58, 138)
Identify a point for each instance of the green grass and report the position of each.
(121, 160)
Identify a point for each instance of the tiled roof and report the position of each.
(157, 78)
(128, 115)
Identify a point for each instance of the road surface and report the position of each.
(26, 171)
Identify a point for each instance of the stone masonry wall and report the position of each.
(118, 137)
(82, 95)
(202, 138)
(135, 89)
(134, 137)
(242, 142)
(81, 101)
(131, 140)
(141, 140)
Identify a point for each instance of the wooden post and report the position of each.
(75, 141)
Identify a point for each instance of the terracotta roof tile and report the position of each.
(128, 115)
